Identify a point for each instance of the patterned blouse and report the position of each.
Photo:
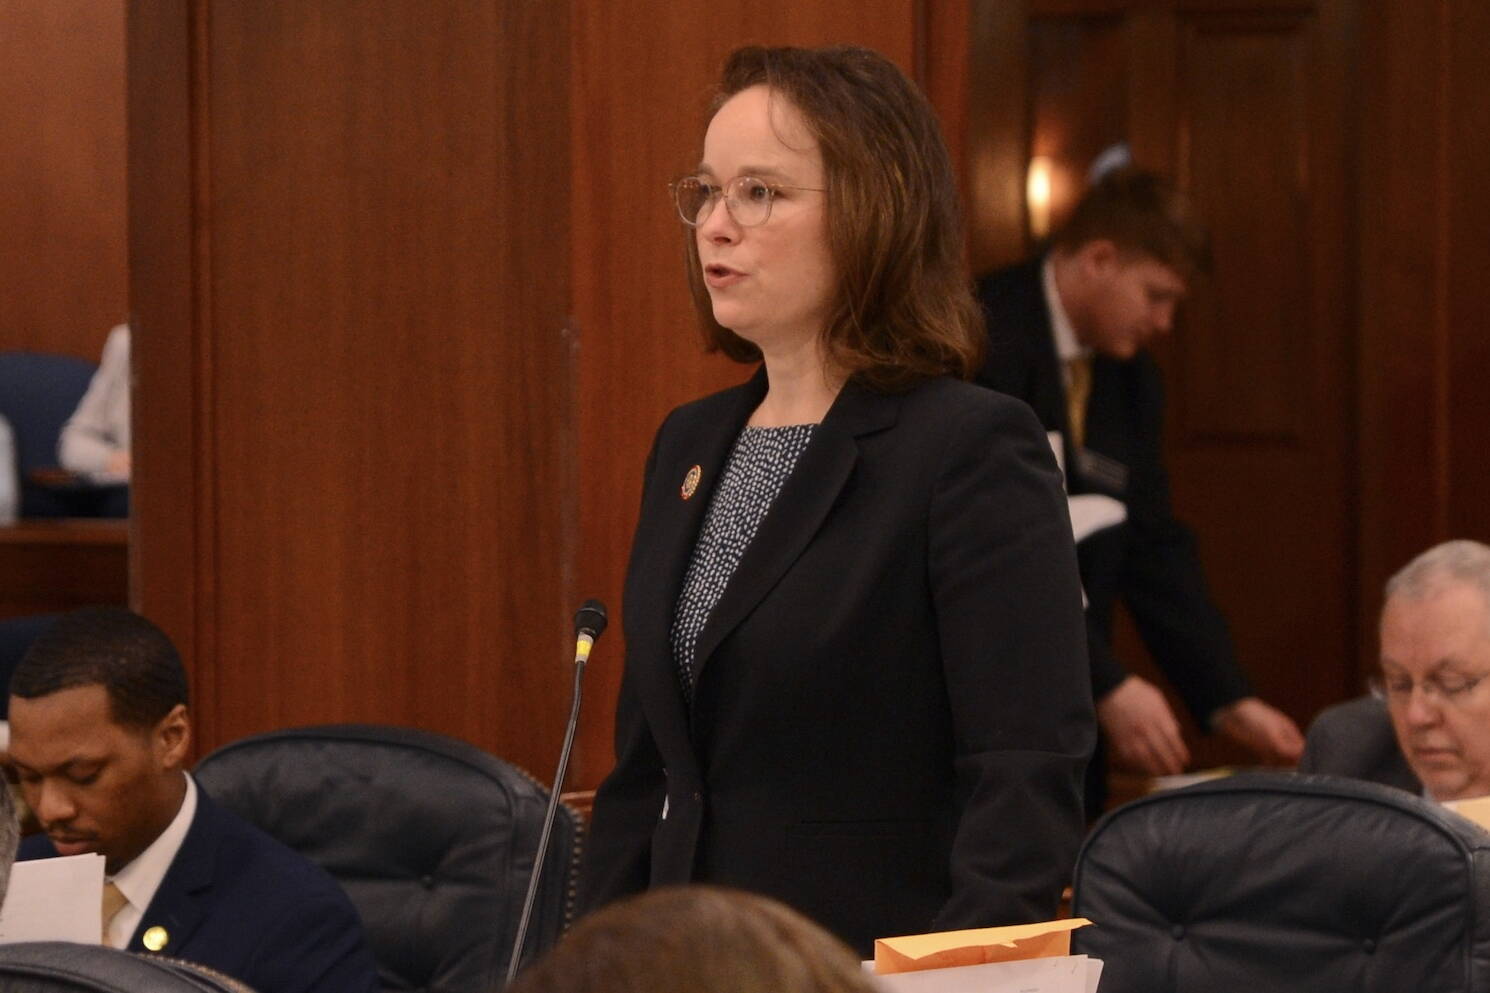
(758, 466)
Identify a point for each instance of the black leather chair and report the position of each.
(1264, 882)
(67, 967)
(432, 838)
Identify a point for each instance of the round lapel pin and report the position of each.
(690, 481)
(155, 938)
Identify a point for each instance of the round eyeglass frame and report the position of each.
(729, 191)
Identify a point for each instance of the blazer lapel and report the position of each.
(798, 511)
(664, 548)
(178, 905)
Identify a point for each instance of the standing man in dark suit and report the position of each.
(99, 736)
(1067, 333)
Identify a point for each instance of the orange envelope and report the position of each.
(978, 946)
(1476, 809)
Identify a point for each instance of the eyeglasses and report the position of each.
(748, 199)
(1448, 687)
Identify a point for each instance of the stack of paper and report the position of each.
(57, 899)
(1025, 958)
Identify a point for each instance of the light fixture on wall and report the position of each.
(1037, 196)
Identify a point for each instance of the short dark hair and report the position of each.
(112, 647)
(1139, 212)
(903, 310)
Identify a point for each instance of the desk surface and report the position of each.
(49, 565)
(66, 531)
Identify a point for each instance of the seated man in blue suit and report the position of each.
(99, 736)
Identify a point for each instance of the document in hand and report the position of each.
(1028, 958)
(57, 899)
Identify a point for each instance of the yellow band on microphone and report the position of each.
(582, 646)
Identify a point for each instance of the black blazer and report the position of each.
(1150, 561)
(892, 712)
(237, 901)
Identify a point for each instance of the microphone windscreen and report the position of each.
(591, 617)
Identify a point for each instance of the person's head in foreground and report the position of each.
(1124, 261)
(1435, 667)
(99, 732)
(696, 939)
(10, 836)
(838, 239)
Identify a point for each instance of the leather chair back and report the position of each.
(1272, 881)
(432, 838)
(68, 967)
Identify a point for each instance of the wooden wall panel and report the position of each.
(379, 371)
(1245, 152)
(1425, 287)
(1467, 166)
(62, 206)
(639, 100)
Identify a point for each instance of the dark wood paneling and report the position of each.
(1406, 479)
(58, 564)
(62, 237)
(378, 206)
(1078, 105)
(1246, 358)
(1467, 166)
(997, 140)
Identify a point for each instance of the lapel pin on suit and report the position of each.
(690, 481)
(155, 938)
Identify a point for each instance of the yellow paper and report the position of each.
(1476, 809)
(943, 949)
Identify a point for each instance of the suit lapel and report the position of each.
(797, 512)
(664, 545)
(179, 903)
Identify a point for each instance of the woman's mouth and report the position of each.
(719, 276)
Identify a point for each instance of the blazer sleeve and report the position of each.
(628, 803)
(317, 946)
(1013, 643)
(1163, 583)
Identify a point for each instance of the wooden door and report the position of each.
(1248, 107)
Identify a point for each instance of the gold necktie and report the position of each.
(113, 901)
(1078, 391)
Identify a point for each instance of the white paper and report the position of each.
(1054, 974)
(1093, 512)
(56, 899)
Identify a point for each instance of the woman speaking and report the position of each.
(855, 659)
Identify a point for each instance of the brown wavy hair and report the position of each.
(691, 939)
(903, 311)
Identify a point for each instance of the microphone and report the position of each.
(589, 624)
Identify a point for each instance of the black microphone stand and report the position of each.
(591, 627)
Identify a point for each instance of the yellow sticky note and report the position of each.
(977, 946)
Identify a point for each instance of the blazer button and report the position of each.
(697, 795)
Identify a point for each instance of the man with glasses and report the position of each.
(1426, 726)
